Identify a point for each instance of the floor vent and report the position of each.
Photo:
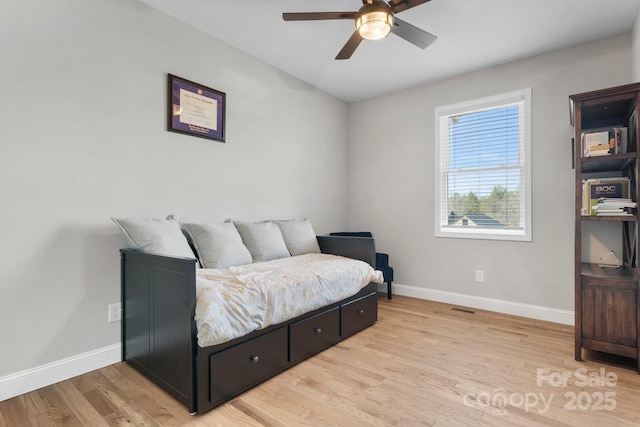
(464, 310)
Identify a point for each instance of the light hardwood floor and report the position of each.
(422, 363)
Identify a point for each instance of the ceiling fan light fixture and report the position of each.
(375, 24)
(373, 21)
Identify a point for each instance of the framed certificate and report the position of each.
(195, 109)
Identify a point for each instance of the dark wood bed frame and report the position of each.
(159, 330)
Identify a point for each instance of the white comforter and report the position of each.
(235, 301)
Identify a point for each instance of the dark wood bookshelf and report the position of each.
(607, 305)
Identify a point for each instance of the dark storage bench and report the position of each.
(159, 331)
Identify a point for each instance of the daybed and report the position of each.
(161, 299)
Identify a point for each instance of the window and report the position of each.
(483, 168)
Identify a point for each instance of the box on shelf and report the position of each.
(604, 142)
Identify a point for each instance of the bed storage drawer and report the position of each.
(313, 334)
(239, 368)
(358, 314)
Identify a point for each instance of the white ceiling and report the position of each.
(472, 34)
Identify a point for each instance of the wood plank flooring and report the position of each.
(421, 364)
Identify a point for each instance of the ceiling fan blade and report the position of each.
(316, 16)
(412, 34)
(400, 5)
(350, 46)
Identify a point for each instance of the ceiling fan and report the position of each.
(375, 20)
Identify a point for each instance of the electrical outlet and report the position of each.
(479, 276)
(115, 312)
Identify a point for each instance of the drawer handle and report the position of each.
(361, 311)
(317, 330)
(255, 359)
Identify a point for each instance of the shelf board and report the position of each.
(595, 271)
(613, 162)
(620, 218)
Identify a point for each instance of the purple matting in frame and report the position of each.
(195, 109)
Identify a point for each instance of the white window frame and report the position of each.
(442, 229)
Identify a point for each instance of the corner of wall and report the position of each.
(635, 49)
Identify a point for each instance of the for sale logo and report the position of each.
(595, 393)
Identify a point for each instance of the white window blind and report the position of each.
(483, 168)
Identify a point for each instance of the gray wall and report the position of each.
(83, 138)
(391, 173)
(635, 43)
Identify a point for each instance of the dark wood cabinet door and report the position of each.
(609, 313)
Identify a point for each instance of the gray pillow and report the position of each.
(156, 236)
(299, 236)
(219, 245)
(263, 239)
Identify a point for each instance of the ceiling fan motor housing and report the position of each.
(374, 21)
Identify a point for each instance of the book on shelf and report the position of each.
(612, 212)
(622, 140)
(604, 142)
(616, 206)
(594, 189)
(617, 202)
(593, 139)
(597, 153)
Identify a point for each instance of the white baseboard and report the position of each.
(555, 315)
(51, 373)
